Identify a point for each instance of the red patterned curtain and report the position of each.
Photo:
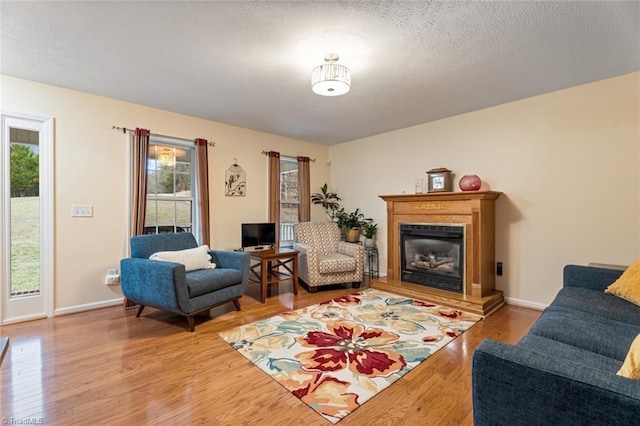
(304, 189)
(274, 190)
(202, 176)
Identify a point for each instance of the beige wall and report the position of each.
(566, 161)
(91, 166)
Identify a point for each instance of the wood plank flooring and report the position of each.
(109, 367)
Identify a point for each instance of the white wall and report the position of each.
(566, 161)
(91, 167)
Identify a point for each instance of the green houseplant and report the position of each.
(327, 199)
(370, 229)
(351, 223)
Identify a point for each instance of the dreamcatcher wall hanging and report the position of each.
(235, 181)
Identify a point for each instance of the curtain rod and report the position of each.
(313, 160)
(125, 130)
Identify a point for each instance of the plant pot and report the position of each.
(370, 242)
(352, 235)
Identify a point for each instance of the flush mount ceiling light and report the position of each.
(331, 79)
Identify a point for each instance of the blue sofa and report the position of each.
(167, 285)
(563, 372)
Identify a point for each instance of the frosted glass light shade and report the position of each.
(166, 156)
(331, 79)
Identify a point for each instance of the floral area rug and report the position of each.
(336, 355)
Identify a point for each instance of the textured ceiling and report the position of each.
(249, 63)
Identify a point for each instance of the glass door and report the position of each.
(26, 219)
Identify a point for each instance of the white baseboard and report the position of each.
(118, 301)
(23, 319)
(525, 304)
(89, 306)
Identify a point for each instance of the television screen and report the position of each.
(258, 234)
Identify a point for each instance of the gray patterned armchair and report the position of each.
(324, 259)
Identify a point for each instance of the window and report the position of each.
(171, 197)
(289, 199)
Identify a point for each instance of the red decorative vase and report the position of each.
(470, 183)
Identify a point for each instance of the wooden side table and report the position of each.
(269, 262)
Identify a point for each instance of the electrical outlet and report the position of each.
(81, 210)
(499, 269)
(112, 279)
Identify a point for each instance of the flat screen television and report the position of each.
(258, 234)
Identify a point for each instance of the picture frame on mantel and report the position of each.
(439, 180)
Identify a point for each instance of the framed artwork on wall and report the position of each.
(235, 181)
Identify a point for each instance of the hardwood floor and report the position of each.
(108, 367)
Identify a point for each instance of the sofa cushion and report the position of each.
(570, 353)
(599, 304)
(335, 262)
(205, 281)
(192, 259)
(600, 335)
(628, 285)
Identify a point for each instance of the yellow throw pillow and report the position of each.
(628, 285)
(631, 366)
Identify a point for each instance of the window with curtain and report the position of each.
(171, 189)
(289, 199)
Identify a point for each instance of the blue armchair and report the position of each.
(167, 285)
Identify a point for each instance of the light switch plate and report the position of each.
(78, 210)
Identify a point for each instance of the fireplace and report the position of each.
(463, 223)
(432, 255)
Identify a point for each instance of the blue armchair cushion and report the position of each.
(143, 246)
(205, 281)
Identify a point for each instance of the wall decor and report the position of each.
(235, 181)
(439, 180)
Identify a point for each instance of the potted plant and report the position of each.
(370, 229)
(351, 223)
(327, 199)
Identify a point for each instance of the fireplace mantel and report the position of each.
(475, 211)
